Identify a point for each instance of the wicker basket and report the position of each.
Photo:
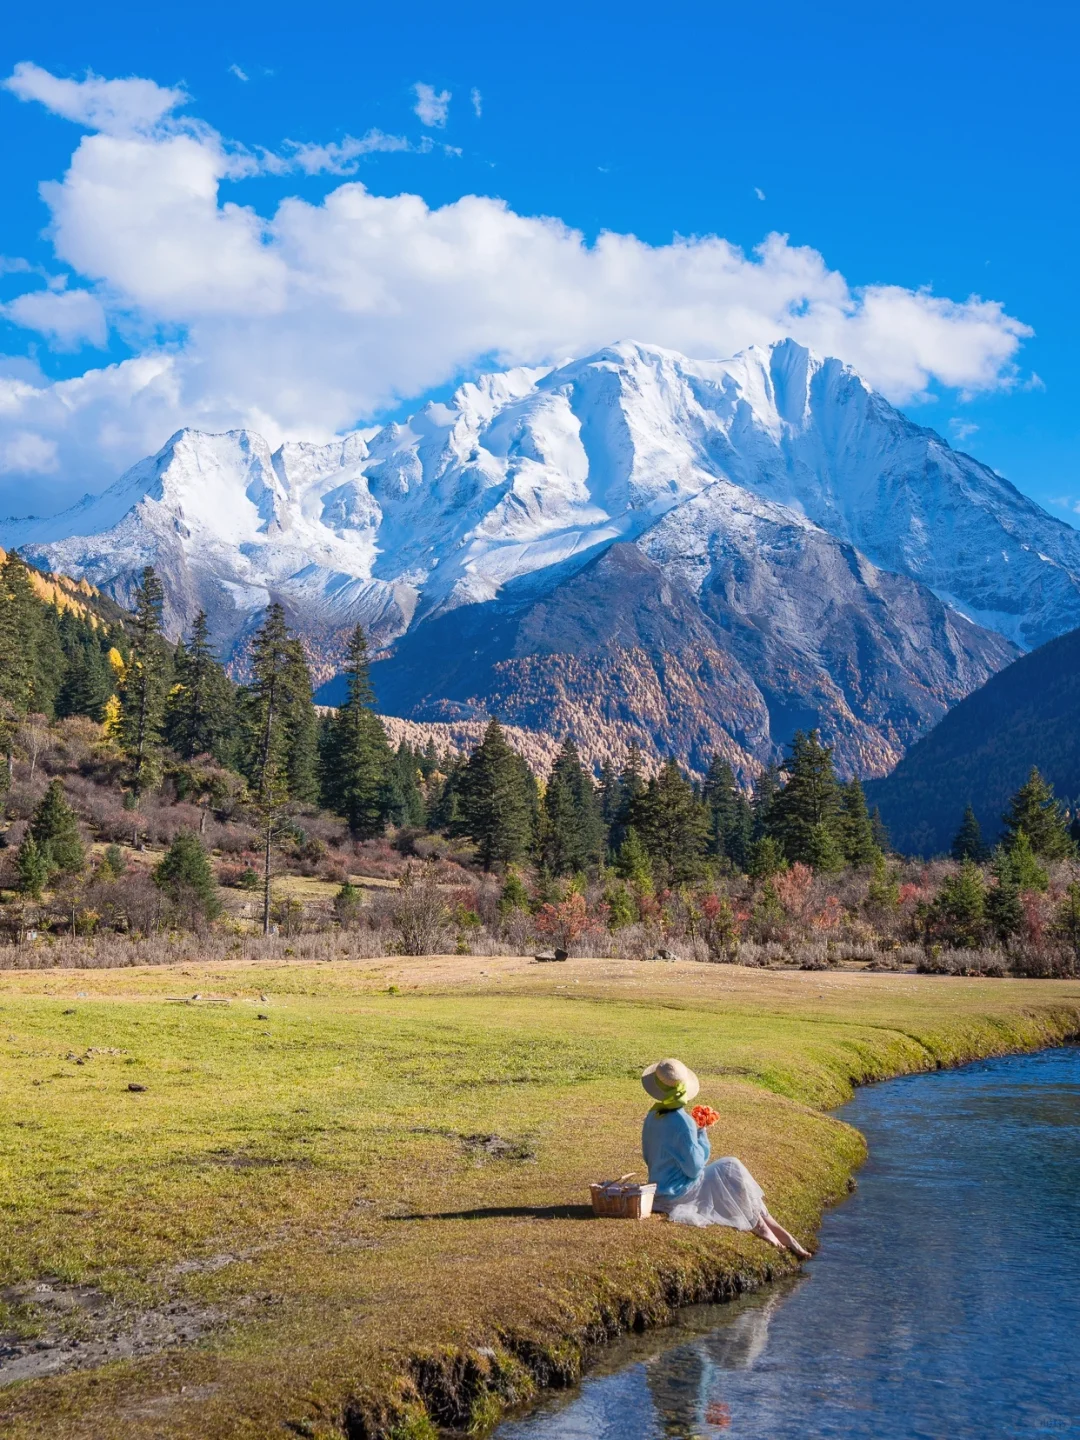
(620, 1200)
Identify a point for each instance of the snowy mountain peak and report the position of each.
(710, 469)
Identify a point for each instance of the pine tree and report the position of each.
(856, 828)
(958, 912)
(968, 843)
(498, 800)
(766, 859)
(673, 825)
(608, 794)
(631, 787)
(19, 628)
(184, 875)
(731, 819)
(199, 712)
(356, 759)
(571, 833)
(32, 867)
(766, 789)
(633, 864)
(1034, 811)
(55, 830)
(805, 815)
(1004, 908)
(880, 833)
(1019, 865)
(20, 623)
(268, 703)
(142, 691)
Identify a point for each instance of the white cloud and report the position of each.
(240, 74)
(335, 158)
(116, 107)
(432, 106)
(68, 317)
(25, 453)
(477, 102)
(312, 318)
(759, 192)
(962, 429)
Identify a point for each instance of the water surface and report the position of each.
(944, 1303)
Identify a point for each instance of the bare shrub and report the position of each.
(418, 912)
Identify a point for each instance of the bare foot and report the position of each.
(762, 1230)
(801, 1251)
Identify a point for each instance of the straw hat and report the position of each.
(660, 1079)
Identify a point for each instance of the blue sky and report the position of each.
(216, 262)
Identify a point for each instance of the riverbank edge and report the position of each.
(468, 1390)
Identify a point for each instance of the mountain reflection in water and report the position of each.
(944, 1304)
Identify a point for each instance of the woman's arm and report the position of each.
(690, 1147)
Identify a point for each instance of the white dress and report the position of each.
(725, 1193)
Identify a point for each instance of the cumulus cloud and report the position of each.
(313, 318)
(432, 106)
(70, 318)
(25, 453)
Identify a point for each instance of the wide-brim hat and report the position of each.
(662, 1078)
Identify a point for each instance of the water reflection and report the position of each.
(945, 1301)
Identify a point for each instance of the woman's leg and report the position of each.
(782, 1237)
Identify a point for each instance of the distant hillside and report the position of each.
(1028, 714)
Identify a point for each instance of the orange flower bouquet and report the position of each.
(705, 1116)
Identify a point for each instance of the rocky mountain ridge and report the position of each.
(694, 554)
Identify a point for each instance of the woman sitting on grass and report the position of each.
(688, 1189)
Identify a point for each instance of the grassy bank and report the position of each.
(351, 1201)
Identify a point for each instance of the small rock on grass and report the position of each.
(134, 1085)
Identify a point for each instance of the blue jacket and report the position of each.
(675, 1150)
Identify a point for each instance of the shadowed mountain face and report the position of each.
(622, 651)
(982, 751)
(698, 554)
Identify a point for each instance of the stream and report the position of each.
(944, 1302)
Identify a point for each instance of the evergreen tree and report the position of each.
(32, 867)
(731, 819)
(55, 831)
(142, 691)
(199, 712)
(86, 684)
(1034, 811)
(184, 875)
(856, 828)
(571, 828)
(958, 912)
(1004, 909)
(608, 796)
(633, 864)
(673, 825)
(497, 796)
(968, 843)
(805, 815)
(631, 787)
(880, 833)
(19, 629)
(766, 789)
(1019, 865)
(766, 859)
(269, 703)
(356, 761)
(403, 797)
(20, 625)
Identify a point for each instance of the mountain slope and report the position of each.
(982, 751)
(787, 505)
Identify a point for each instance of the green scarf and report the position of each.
(675, 1100)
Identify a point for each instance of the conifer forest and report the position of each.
(151, 800)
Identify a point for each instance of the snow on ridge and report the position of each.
(534, 469)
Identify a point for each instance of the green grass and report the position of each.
(317, 1180)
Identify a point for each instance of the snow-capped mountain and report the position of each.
(840, 564)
